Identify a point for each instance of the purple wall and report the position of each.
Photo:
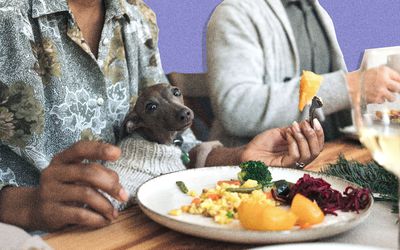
(360, 24)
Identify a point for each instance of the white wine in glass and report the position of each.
(378, 124)
(384, 144)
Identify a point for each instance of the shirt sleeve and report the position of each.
(150, 67)
(21, 98)
(7, 178)
(15, 171)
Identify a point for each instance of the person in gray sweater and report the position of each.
(256, 51)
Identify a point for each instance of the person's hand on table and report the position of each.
(298, 143)
(68, 192)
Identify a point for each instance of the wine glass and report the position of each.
(378, 125)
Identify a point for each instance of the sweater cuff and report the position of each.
(7, 179)
(203, 150)
(16, 238)
(334, 92)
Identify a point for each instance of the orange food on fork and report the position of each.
(309, 86)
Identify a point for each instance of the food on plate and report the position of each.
(308, 212)
(258, 213)
(309, 86)
(281, 187)
(263, 204)
(393, 115)
(182, 187)
(327, 198)
(222, 205)
(255, 170)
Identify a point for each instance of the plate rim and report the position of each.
(155, 216)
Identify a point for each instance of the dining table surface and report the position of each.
(134, 230)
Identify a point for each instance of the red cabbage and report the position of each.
(329, 199)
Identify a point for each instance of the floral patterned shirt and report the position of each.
(54, 91)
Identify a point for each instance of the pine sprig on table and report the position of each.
(369, 175)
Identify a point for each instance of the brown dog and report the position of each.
(158, 115)
(146, 138)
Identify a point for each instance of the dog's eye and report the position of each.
(151, 107)
(176, 92)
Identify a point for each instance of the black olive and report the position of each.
(282, 187)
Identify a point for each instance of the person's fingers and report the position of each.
(54, 216)
(293, 149)
(302, 143)
(320, 133)
(82, 217)
(394, 86)
(311, 137)
(88, 150)
(389, 96)
(93, 175)
(68, 193)
(394, 75)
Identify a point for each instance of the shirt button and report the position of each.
(105, 41)
(100, 101)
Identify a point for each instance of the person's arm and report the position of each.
(243, 102)
(68, 191)
(282, 147)
(16, 205)
(15, 199)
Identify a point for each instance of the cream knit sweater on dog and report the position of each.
(142, 160)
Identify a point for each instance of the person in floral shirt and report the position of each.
(69, 71)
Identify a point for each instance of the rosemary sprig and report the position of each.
(370, 175)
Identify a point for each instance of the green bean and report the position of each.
(244, 190)
(181, 185)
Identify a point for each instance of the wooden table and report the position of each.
(134, 230)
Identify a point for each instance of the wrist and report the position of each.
(353, 79)
(222, 156)
(353, 83)
(17, 206)
(245, 154)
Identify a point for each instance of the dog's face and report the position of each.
(159, 113)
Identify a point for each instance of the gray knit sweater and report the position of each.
(254, 70)
(142, 160)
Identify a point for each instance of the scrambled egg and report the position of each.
(220, 204)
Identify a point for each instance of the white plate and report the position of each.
(318, 246)
(160, 195)
(350, 132)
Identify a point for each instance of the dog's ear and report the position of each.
(131, 123)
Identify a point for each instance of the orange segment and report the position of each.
(309, 86)
(308, 212)
(258, 215)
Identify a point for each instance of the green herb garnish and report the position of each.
(230, 214)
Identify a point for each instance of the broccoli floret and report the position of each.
(255, 170)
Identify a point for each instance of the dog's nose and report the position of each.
(185, 115)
